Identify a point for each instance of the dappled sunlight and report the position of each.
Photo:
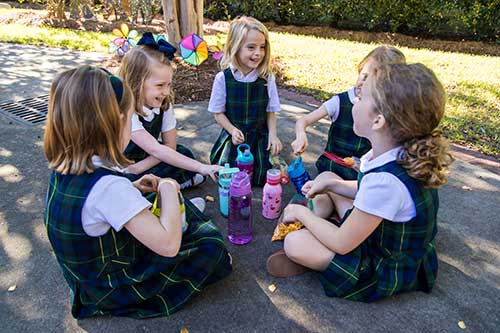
(5, 152)
(40, 232)
(17, 247)
(28, 203)
(10, 173)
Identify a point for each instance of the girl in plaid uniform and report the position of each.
(146, 68)
(342, 140)
(384, 244)
(245, 98)
(116, 256)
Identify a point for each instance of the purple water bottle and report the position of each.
(239, 224)
(244, 159)
(298, 174)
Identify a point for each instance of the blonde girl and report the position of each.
(342, 141)
(245, 98)
(385, 242)
(148, 70)
(116, 256)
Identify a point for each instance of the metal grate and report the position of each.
(31, 111)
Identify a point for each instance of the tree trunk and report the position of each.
(182, 17)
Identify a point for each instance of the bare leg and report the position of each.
(305, 249)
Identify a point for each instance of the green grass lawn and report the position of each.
(322, 67)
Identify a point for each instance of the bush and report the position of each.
(472, 19)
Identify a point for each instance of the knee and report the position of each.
(292, 245)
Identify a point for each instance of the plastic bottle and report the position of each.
(224, 183)
(244, 159)
(298, 174)
(271, 195)
(239, 224)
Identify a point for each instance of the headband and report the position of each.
(158, 42)
(117, 85)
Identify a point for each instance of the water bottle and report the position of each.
(244, 159)
(239, 224)
(224, 183)
(298, 174)
(271, 194)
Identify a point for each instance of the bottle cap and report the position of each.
(244, 154)
(240, 184)
(273, 176)
(225, 175)
(297, 168)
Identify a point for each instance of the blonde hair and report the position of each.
(137, 66)
(384, 54)
(238, 32)
(84, 120)
(412, 100)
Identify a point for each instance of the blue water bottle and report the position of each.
(224, 183)
(298, 174)
(244, 160)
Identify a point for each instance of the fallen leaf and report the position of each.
(209, 198)
(272, 288)
(12, 288)
(461, 324)
(467, 188)
(184, 330)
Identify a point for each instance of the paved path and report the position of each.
(468, 244)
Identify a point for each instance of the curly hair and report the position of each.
(412, 100)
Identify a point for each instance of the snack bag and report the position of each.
(283, 229)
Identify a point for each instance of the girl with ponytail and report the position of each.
(384, 242)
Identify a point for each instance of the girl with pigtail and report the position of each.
(384, 244)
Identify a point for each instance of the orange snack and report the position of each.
(349, 160)
(283, 229)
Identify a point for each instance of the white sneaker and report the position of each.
(199, 203)
(195, 181)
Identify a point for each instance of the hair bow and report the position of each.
(159, 43)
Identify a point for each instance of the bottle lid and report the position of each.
(225, 174)
(244, 154)
(240, 184)
(273, 176)
(297, 168)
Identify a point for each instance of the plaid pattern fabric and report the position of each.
(153, 127)
(396, 257)
(116, 275)
(342, 141)
(246, 105)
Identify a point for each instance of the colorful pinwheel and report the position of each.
(124, 41)
(216, 50)
(194, 50)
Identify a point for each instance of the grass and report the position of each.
(323, 67)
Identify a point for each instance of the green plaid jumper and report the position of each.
(162, 169)
(115, 274)
(246, 109)
(342, 141)
(396, 257)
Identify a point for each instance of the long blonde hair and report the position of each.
(84, 120)
(384, 54)
(238, 31)
(137, 65)
(412, 100)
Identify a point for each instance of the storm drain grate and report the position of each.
(31, 111)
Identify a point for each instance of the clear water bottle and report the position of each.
(271, 194)
(244, 159)
(298, 174)
(239, 223)
(224, 183)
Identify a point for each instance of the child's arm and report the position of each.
(163, 238)
(358, 226)
(236, 134)
(274, 143)
(300, 143)
(169, 139)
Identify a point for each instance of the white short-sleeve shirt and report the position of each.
(111, 203)
(168, 121)
(217, 103)
(381, 193)
(332, 105)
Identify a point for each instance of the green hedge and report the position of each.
(471, 19)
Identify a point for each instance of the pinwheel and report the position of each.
(124, 41)
(194, 50)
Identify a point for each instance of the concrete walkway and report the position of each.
(468, 286)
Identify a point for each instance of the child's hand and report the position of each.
(293, 212)
(147, 183)
(211, 170)
(300, 144)
(274, 145)
(314, 187)
(237, 136)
